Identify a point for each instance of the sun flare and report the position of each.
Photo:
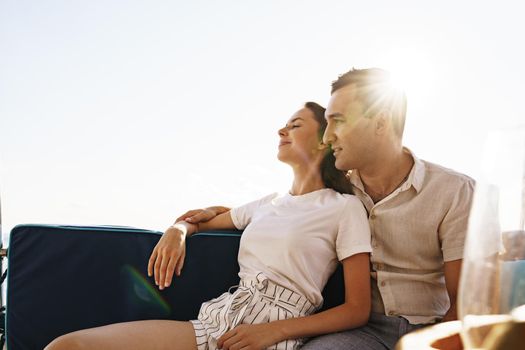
(411, 72)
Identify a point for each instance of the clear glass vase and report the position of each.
(492, 286)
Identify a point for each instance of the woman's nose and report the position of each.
(282, 131)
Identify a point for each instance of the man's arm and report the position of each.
(196, 216)
(452, 271)
(452, 233)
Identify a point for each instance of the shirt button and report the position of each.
(391, 313)
(379, 267)
(372, 216)
(382, 285)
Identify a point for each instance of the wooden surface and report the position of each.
(444, 336)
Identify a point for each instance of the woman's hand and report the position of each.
(251, 337)
(168, 255)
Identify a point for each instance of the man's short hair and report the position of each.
(376, 91)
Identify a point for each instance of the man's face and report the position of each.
(348, 132)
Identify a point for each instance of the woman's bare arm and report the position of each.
(354, 312)
(168, 255)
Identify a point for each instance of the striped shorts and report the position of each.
(256, 300)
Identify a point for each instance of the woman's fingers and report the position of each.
(233, 343)
(170, 269)
(167, 257)
(163, 270)
(156, 269)
(180, 263)
(151, 261)
(165, 266)
(226, 336)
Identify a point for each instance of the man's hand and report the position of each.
(169, 253)
(250, 337)
(195, 216)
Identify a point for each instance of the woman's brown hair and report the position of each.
(332, 177)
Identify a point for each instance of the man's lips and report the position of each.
(336, 150)
(284, 143)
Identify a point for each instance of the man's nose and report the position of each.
(282, 131)
(328, 136)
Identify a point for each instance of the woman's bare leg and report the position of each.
(151, 334)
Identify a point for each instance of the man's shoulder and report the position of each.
(446, 179)
(436, 172)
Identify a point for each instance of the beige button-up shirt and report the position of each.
(415, 229)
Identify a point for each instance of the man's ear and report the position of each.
(383, 121)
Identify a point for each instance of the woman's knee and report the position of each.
(69, 341)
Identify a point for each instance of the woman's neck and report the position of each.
(306, 181)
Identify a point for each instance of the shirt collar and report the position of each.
(417, 174)
(415, 177)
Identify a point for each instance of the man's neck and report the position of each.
(387, 174)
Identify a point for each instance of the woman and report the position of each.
(290, 246)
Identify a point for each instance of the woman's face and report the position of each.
(299, 141)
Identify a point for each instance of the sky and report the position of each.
(132, 112)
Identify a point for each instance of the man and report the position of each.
(418, 213)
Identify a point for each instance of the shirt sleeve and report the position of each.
(453, 228)
(242, 216)
(353, 234)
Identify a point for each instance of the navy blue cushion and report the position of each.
(65, 278)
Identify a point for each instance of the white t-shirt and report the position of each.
(296, 241)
